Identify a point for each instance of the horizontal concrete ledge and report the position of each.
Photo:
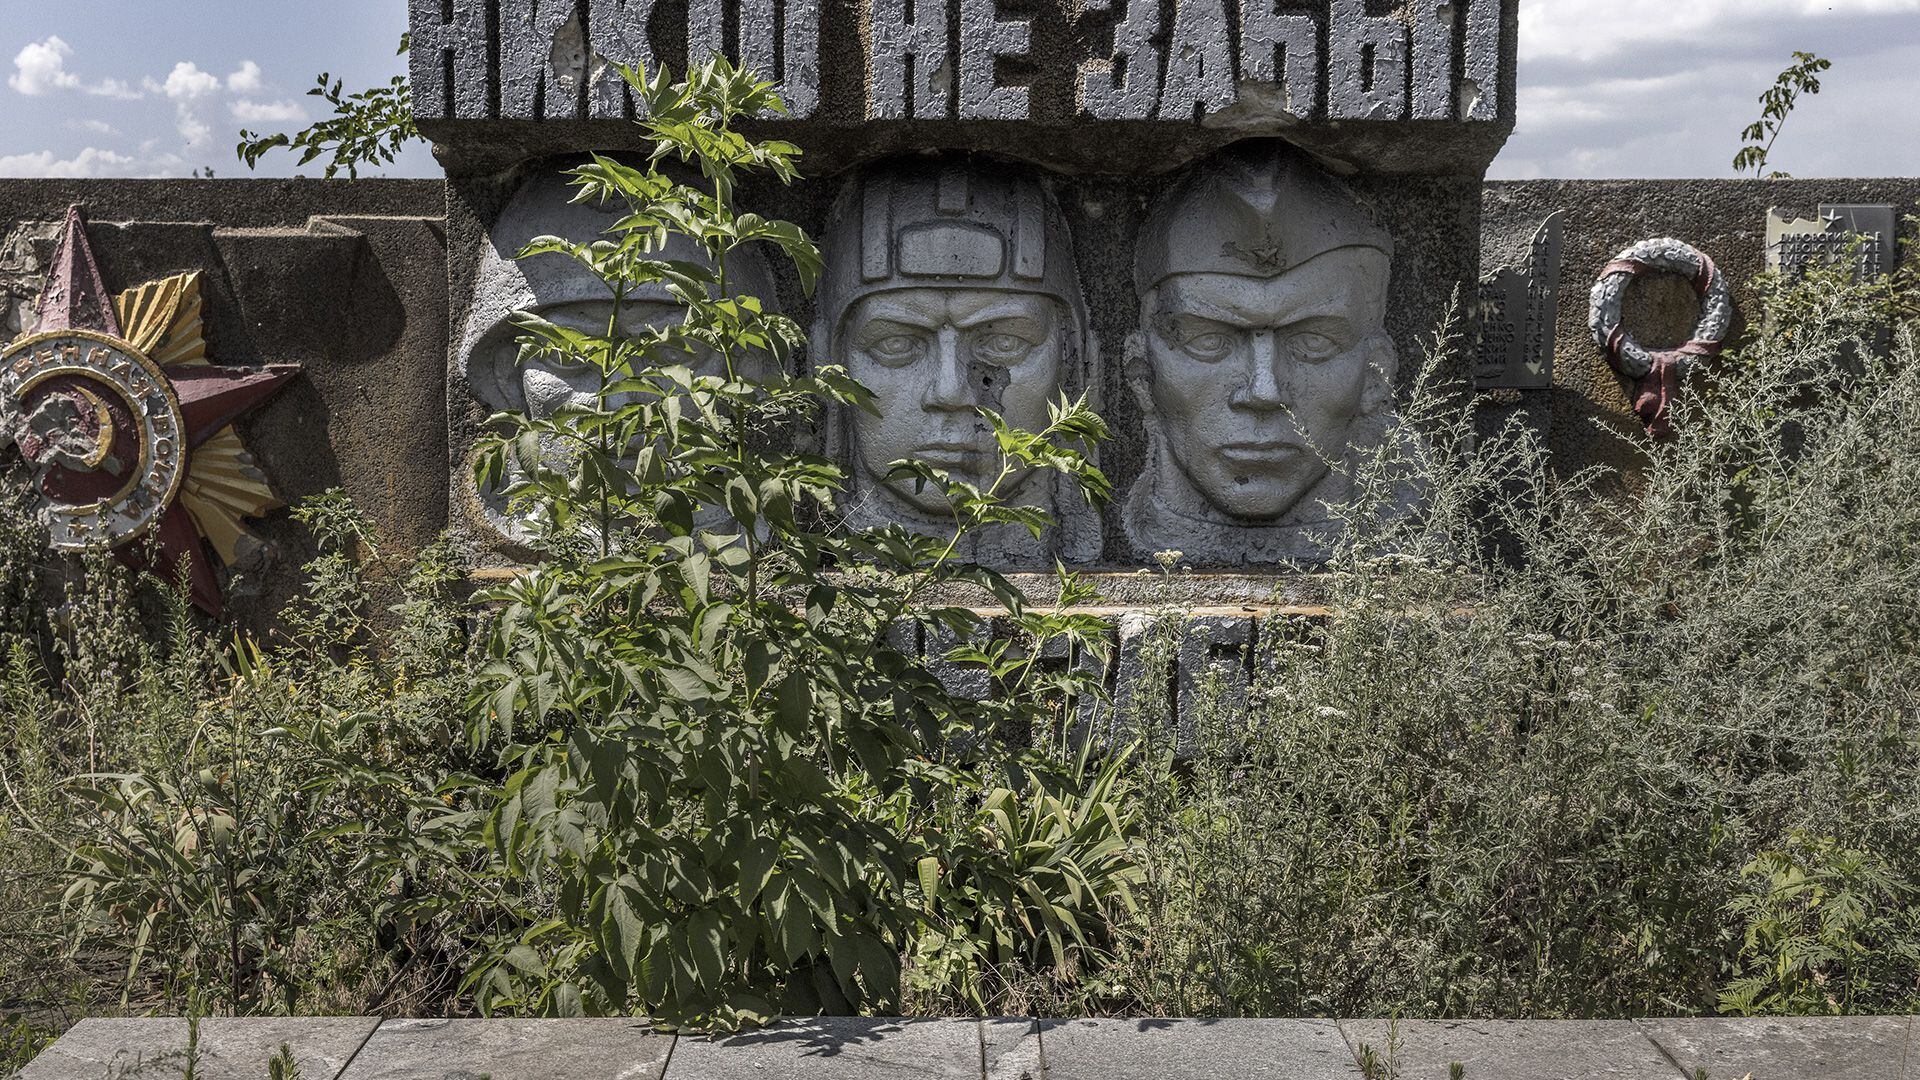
(365, 1048)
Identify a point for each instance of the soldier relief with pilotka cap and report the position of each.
(1262, 364)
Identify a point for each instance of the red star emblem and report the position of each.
(129, 429)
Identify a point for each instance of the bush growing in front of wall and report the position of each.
(193, 821)
(1589, 745)
(687, 772)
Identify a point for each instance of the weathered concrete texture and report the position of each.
(1216, 669)
(1826, 1048)
(1510, 1049)
(1180, 1049)
(227, 1049)
(1587, 414)
(1010, 1050)
(1434, 222)
(837, 1049)
(611, 1049)
(347, 280)
(1428, 87)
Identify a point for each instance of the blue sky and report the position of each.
(1610, 88)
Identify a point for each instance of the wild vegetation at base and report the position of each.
(1566, 746)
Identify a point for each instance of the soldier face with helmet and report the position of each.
(948, 290)
(560, 290)
(1262, 358)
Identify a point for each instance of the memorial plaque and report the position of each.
(1518, 310)
(1864, 237)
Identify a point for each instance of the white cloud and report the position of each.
(247, 80)
(98, 127)
(41, 68)
(89, 162)
(114, 88)
(185, 82)
(1653, 88)
(269, 112)
(192, 129)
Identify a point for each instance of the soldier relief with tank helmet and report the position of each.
(951, 288)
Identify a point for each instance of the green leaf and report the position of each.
(757, 864)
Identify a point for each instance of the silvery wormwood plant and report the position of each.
(726, 781)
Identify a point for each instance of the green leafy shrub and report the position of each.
(1825, 927)
(728, 780)
(1776, 106)
(368, 128)
(1055, 917)
(203, 826)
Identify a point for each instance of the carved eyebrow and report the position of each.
(1202, 311)
(1004, 310)
(1328, 324)
(899, 315)
(1025, 325)
(1323, 308)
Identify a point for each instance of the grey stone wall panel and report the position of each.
(1827, 1047)
(1586, 415)
(1514, 1049)
(827, 1048)
(580, 1049)
(1191, 1049)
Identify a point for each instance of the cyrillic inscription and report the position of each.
(1433, 60)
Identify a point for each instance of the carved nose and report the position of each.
(1264, 390)
(948, 389)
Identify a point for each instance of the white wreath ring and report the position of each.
(1628, 356)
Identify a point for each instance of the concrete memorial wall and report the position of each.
(334, 293)
(1575, 397)
(1225, 222)
(1230, 225)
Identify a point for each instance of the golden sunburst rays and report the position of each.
(223, 486)
(162, 320)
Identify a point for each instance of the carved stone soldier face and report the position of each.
(1257, 382)
(947, 291)
(1263, 351)
(934, 358)
(560, 290)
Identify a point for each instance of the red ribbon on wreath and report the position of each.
(1654, 392)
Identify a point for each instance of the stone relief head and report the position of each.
(1262, 359)
(949, 289)
(560, 290)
